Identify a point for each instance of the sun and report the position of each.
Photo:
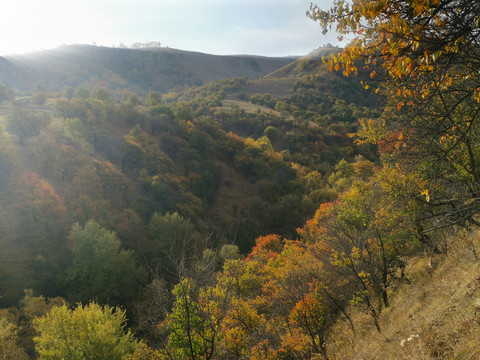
(29, 25)
(19, 45)
(25, 26)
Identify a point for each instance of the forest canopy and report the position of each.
(241, 219)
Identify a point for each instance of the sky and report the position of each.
(221, 27)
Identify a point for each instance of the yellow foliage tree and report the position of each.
(86, 332)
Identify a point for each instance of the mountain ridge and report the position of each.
(140, 70)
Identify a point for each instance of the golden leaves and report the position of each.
(427, 195)
(389, 34)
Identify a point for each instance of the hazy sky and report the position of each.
(261, 27)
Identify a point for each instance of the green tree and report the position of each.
(39, 97)
(5, 93)
(69, 92)
(153, 99)
(64, 108)
(114, 183)
(6, 157)
(81, 92)
(104, 95)
(271, 132)
(101, 269)
(133, 155)
(130, 99)
(24, 123)
(193, 323)
(86, 332)
(23, 315)
(341, 179)
(174, 243)
(185, 324)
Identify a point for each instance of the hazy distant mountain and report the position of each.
(159, 69)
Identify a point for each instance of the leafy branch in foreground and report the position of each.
(423, 56)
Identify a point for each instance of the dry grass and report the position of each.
(277, 87)
(246, 106)
(433, 317)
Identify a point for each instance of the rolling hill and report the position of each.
(139, 70)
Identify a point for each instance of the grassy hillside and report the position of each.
(280, 83)
(139, 70)
(306, 65)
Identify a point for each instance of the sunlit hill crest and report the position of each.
(142, 70)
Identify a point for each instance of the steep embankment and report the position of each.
(435, 316)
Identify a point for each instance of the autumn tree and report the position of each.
(361, 239)
(314, 316)
(423, 57)
(277, 301)
(9, 348)
(295, 295)
(35, 227)
(22, 317)
(55, 161)
(84, 198)
(40, 209)
(144, 352)
(133, 154)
